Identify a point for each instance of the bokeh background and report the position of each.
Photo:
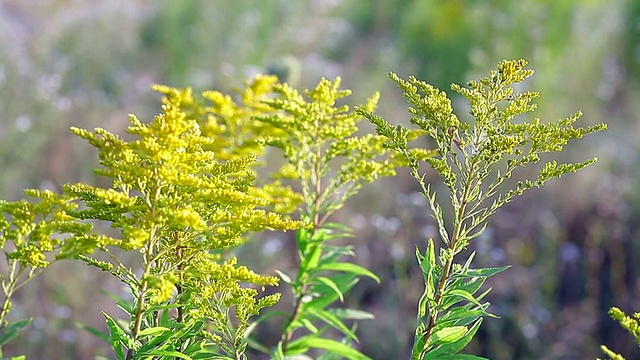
(574, 245)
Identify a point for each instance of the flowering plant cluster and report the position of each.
(185, 190)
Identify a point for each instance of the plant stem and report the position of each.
(448, 266)
(8, 292)
(144, 282)
(316, 223)
(288, 335)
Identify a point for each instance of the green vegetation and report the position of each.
(183, 196)
(631, 324)
(328, 163)
(473, 160)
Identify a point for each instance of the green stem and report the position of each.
(448, 266)
(8, 292)
(141, 294)
(149, 259)
(317, 221)
(288, 335)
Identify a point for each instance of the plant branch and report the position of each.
(448, 266)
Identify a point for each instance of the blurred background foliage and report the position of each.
(574, 245)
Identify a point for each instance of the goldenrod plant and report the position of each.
(177, 205)
(33, 234)
(629, 323)
(229, 120)
(328, 162)
(184, 193)
(474, 161)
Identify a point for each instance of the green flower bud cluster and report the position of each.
(475, 159)
(328, 162)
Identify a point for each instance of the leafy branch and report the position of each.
(328, 163)
(32, 235)
(474, 161)
(177, 206)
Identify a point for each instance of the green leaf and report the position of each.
(348, 267)
(453, 348)
(462, 315)
(12, 330)
(284, 276)
(311, 258)
(345, 281)
(263, 316)
(463, 357)
(333, 253)
(333, 286)
(447, 335)
(254, 344)
(309, 325)
(188, 329)
(200, 349)
(462, 294)
(164, 317)
(117, 337)
(330, 319)
(297, 346)
(325, 234)
(427, 263)
(123, 304)
(175, 354)
(337, 226)
(351, 314)
(485, 272)
(302, 238)
(429, 267)
(158, 342)
(469, 287)
(97, 333)
(153, 330)
(277, 353)
(332, 346)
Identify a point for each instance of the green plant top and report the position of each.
(474, 160)
(470, 157)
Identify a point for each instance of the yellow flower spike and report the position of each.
(316, 132)
(327, 162)
(182, 188)
(161, 288)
